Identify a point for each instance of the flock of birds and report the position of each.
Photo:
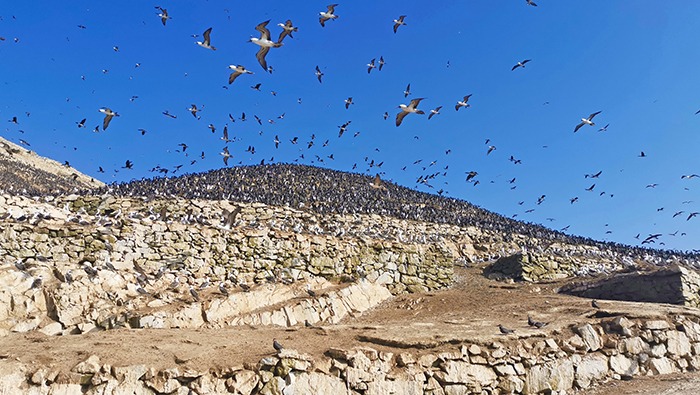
(265, 42)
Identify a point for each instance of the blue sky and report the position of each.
(634, 61)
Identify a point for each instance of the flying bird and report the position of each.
(586, 121)
(109, 114)
(381, 62)
(407, 91)
(319, 74)
(695, 214)
(348, 102)
(521, 64)
(264, 42)
(287, 30)
(237, 70)
(435, 111)
(370, 65)
(377, 183)
(463, 103)
(207, 40)
(687, 177)
(530, 2)
(408, 109)
(226, 155)
(193, 109)
(399, 22)
(604, 128)
(326, 15)
(81, 124)
(163, 15)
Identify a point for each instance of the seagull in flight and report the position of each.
(521, 64)
(530, 2)
(381, 62)
(287, 30)
(435, 111)
(407, 109)
(237, 70)
(226, 155)
(370, 65)
(407, 91)
(687, 177)
(586, 121)
(207, 41)
(264, 42)
(399, 22)
(604, 128)
(109, 114)
(319, 74)
(163, 15)
(463, 103)
(326, 15)
(193, 109)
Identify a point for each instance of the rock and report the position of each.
(590, 337)
(677, 344)
(633, 346)
(662, 365)
(556, 375)
(315, 383)
(592, 368)
(243, 381)
(656, 325)
(52, 329)
(90, 365)
(458, 372)
(623, 365)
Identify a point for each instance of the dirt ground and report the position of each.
(469, 312)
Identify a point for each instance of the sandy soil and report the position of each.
(418, 323)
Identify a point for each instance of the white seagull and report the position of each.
(264, 42)
(327, 15)
(226, 155)
(407, 109)
(237, 70)
(463, 103)
(586, 121)
(109, 114)
(435, 111)
(207, 41)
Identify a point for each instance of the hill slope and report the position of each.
(25, 172)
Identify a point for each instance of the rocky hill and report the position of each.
(24, 172)
(372, 289)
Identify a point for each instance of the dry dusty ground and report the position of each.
(417, 323)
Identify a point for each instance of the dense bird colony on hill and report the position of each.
(331, 191)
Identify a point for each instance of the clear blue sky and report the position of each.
(636, 61)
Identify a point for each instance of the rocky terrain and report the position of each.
(144, 289)
(24, 172)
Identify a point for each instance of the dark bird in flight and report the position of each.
(530, 2)
(207, 41)
(435, 111)
(371, 65)
(596, 175)
(226, 155)
(687, 177)
(326, 15)
(109, 114)
(319, 74)
(81, 124)
(348, 102)
(695, 214)
(237, 70)
(463, 103)
(128, 165)
(399, 22)
(193, 109)
(287, 30)
(408, 109)
(264, 42)
(642, 155)
(586, 121)
(407, 91)
(381, 62)
(163, 15)
(521, 64)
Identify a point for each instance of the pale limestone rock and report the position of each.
(590, 337)
(65, 389)
(13, 377)
(623, 365)
(457, 389)
(633, 345)
(457, 372)
(90, 365)
(656, 325)
(209, 385)
(26, 325)
(316, 383)
(243, 381)
(52, 329)
(677, 344)
(658, 350)
(692, 330)
(511, 385)
(394, 387)
(555, 375)
(591, 368)
(662, 365)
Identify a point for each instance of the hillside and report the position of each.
(330, 191)
(25, 172)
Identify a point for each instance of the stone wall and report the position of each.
(578, 358)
